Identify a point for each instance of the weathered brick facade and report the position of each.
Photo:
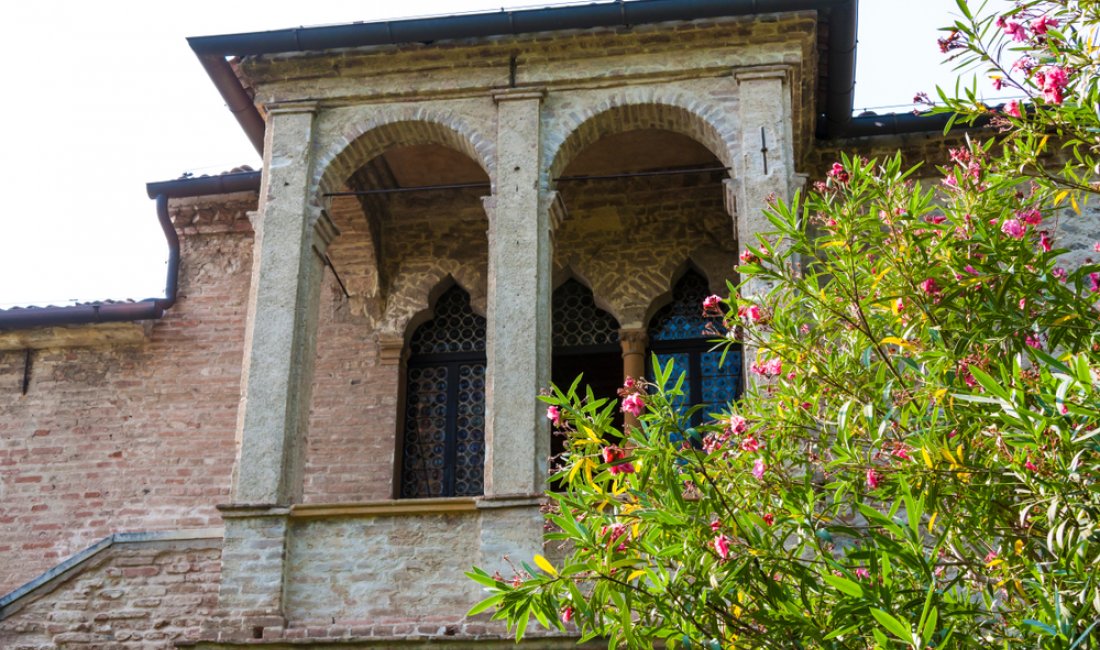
(267, 403)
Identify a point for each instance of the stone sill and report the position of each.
(76, 336)
(405, 507)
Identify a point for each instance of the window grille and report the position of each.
(678, 332)
(444, 434)
(578, 322)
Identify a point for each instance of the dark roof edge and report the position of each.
(496, 23)
(248, 181)
(212, 50)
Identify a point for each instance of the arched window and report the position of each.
(586, 342)
(444, 425)
(679, 332)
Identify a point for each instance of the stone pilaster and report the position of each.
(280, 343)
(517, 434)
(282, 314)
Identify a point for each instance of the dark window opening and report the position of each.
(586, 342)
(443, 451)
(679, 332)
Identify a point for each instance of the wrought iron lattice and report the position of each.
(444, 441)
(682, 318)
(577, 321)
(678, 333)
(455, 328)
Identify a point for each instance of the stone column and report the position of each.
(766, 163)
(280, 338)
(767, 150)
(517, 434)
(634, 341)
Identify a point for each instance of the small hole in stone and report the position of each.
(258, 632)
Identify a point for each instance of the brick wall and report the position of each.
(136, 437)
(129, 597)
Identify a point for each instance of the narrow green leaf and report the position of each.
(893, 625)
(844, 585)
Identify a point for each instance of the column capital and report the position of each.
(634, 340)
(781, 72)
(308, 106)
(512, 94)
(391, 350)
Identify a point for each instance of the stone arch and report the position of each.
(635, 109)
(412, 303)
(363, 141)
(563, 274)
(671, 274)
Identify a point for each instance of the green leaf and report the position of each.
(841, 632)
(485, 604)
(893, 625)
(843, 585)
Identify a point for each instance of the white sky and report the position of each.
(102, 97)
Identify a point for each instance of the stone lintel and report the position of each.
(391, 350)
(299, 106)
(510, 501)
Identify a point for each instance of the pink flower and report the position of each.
(771, 368)
(1015, 31)
(1041, 24)
(752, 312)
(970, 269)
(1013, 109)
(628, 383)
(748, 257)
(1030, 467)
(935, 218)
(566, 614)
(998, 83)
(1013, 228)
(1044, 241)
(612, 455)
(716, 525)
(553, 414)
(930, 287)
(901, 453)
(1094, 281)
(1052, 81)
(872, 479)
(738, 424)
(710, 303)
(1032, 341)
(1059, 274)
(990, 556)
(769, 518)
(758, 469)
(862, 573)
(722, 546)
(633, 404)
(1096, 247)
(838, 173)
(750, 445)
(1031, 217)
(899, 305)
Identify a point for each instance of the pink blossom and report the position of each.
(1032, 341)
(1013, 228)
(1030, 466)
(769, 518)
(722, 546)
(990, 556)
(754, 313)
(998, 83)
(901, 453)
(553, 414)
(1044, 241)
(970, 269)
(1059, 274)
(1022, 303)
(838, 173)
(738, 424)
(628, 383)
(899, 305)
(862, 573)
(758, 469)
(612, 455)
(750, 444)
(710, 303)
(771, 368)
(1096, 247)
(950, 180)
(935, 218)
(1013, 109)
(1031, 217)
(748, 257)
(1052, 81)
(872, 479)
(930, 287)
(1041, 24)
(566, 614)
(633, 404)
(1094, 281)
(1015, 31)
(716, 525)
